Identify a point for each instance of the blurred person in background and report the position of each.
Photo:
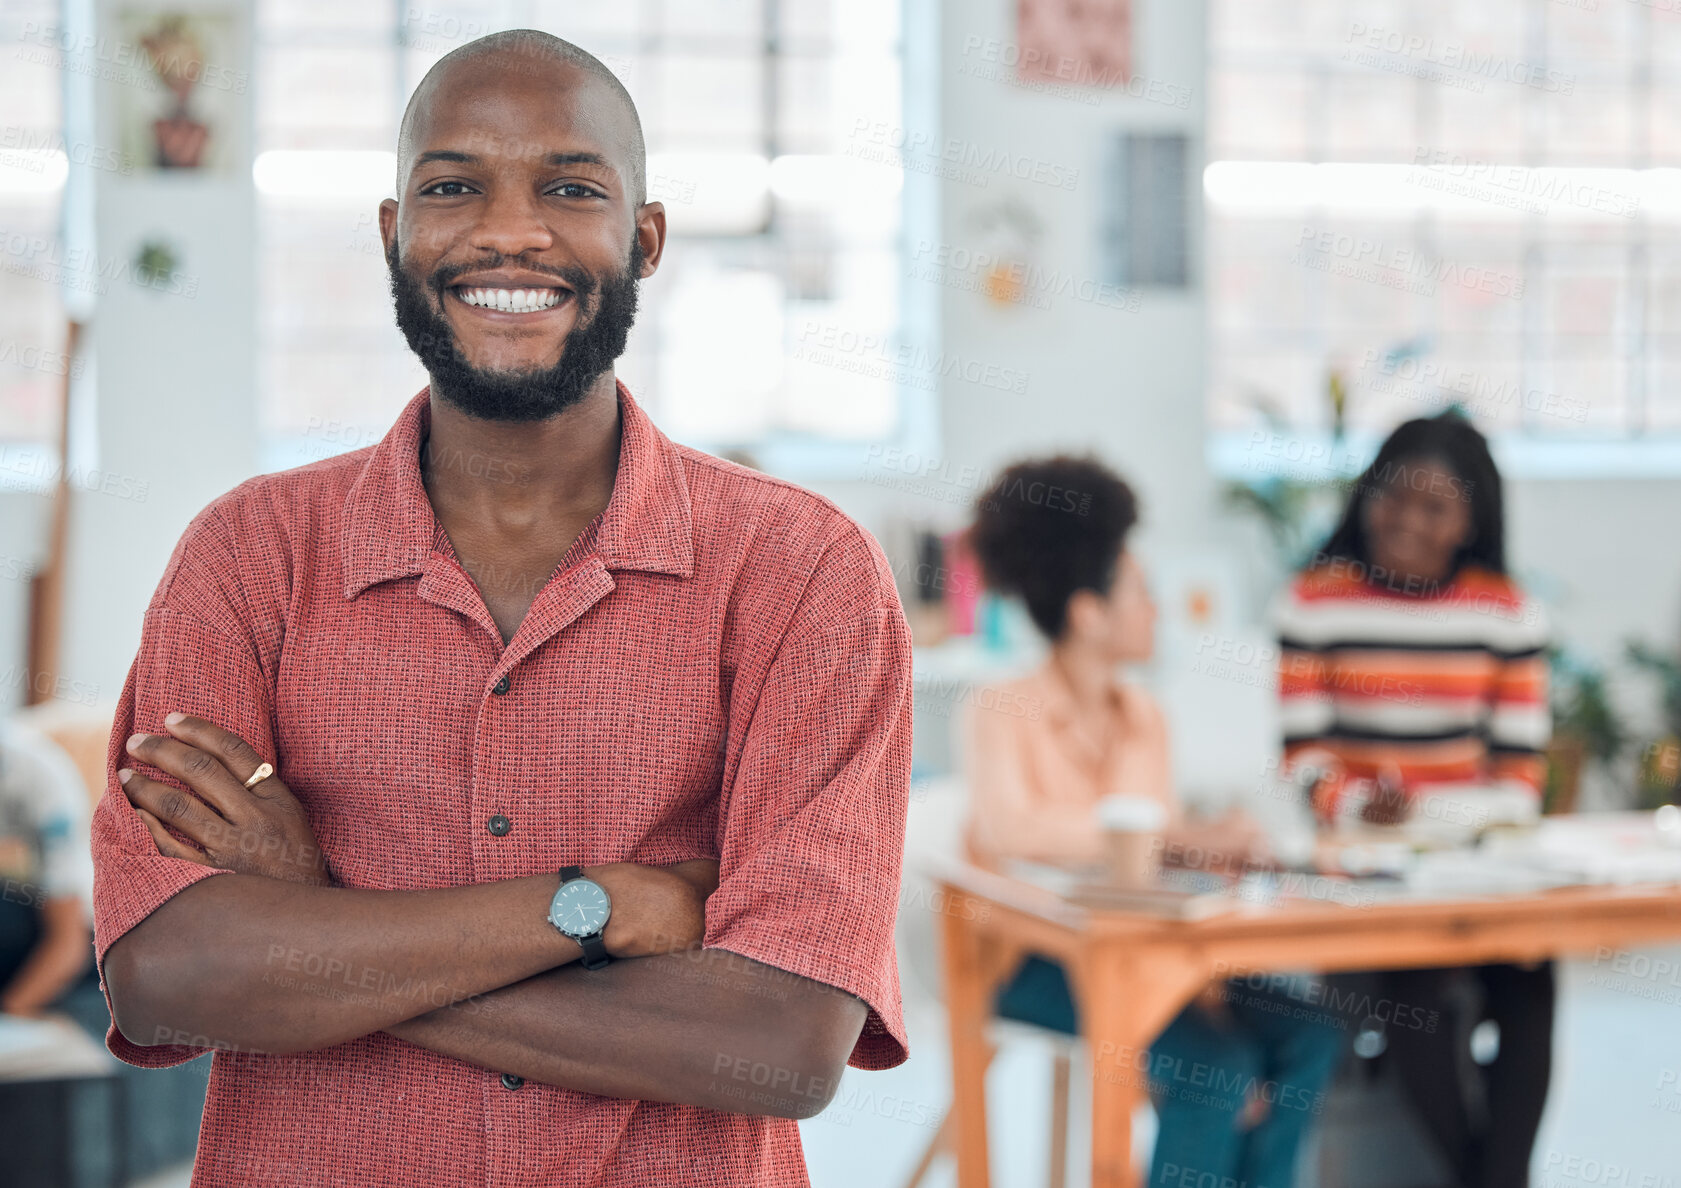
(1051, 745)
(1409, 659)
(46, 876)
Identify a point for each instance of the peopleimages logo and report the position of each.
(1399, 265)
(1517, 185)
(1483, 395)
(37, 142)
(870, 139)
(124, 62)
(878, 357)
(1450, 55)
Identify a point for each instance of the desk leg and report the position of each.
(1126, 999)
(968, 1005)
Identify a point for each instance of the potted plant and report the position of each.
(1585, 727)
(1659, 778)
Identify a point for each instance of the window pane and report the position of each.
(1593, 125)
(1511, 291)
(1370, 118)
(807, 20)
(1584, 40)
(734, 23)
(1257, 27)
(32, 362)
(621, 21)
(1250, 389)
(321, 97)
(1484, 126)
(714, 102)
(1260, 278)
(327, 18)
(1258, 114)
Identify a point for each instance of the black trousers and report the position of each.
(20, 932)
(1482, 1117)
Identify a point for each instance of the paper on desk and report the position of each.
(1615, 848)
(1621, 849)
(50, 1048)
(1175, 894)
(1060, 879)
(27, 1046)
(1477, 872)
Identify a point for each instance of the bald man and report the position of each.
(520, 800)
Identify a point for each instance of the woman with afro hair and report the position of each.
(1044, 749)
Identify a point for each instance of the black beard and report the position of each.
(595, 343)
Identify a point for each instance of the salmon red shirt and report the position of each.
(718, 668)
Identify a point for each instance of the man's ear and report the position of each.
(388, 223)
(650, 235)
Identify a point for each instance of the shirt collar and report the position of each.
(390, 527)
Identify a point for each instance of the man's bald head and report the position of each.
(529, 52)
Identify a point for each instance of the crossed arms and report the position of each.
(475, 973)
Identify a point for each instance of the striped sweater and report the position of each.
(1447, 685)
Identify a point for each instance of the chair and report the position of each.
(933, 829)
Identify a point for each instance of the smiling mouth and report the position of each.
(514, 301)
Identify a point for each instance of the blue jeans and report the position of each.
(1272, 1043)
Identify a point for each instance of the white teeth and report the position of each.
(511, 300)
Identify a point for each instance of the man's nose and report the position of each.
(512, 223)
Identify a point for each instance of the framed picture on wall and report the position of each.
(1085, 42)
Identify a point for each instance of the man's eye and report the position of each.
(444, 189)
(576, 190)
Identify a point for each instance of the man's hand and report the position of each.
(656, 909)
(261, 830)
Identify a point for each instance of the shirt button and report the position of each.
(500, 687)
(511, 1082)
(499, 825)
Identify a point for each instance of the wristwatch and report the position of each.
(580, 910)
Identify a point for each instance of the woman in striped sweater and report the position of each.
(1410, 659)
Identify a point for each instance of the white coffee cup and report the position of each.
(1132, 832)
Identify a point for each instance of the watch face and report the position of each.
(580, 908)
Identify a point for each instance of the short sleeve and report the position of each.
(194, 660)
(812, 828)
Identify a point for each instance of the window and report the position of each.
(778, 232)
(1469, 203)
(34, 167)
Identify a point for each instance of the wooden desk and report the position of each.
(1131, 973)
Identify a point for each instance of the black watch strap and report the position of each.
(595, 949)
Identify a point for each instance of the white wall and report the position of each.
(175, 418)
(1126, 384)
